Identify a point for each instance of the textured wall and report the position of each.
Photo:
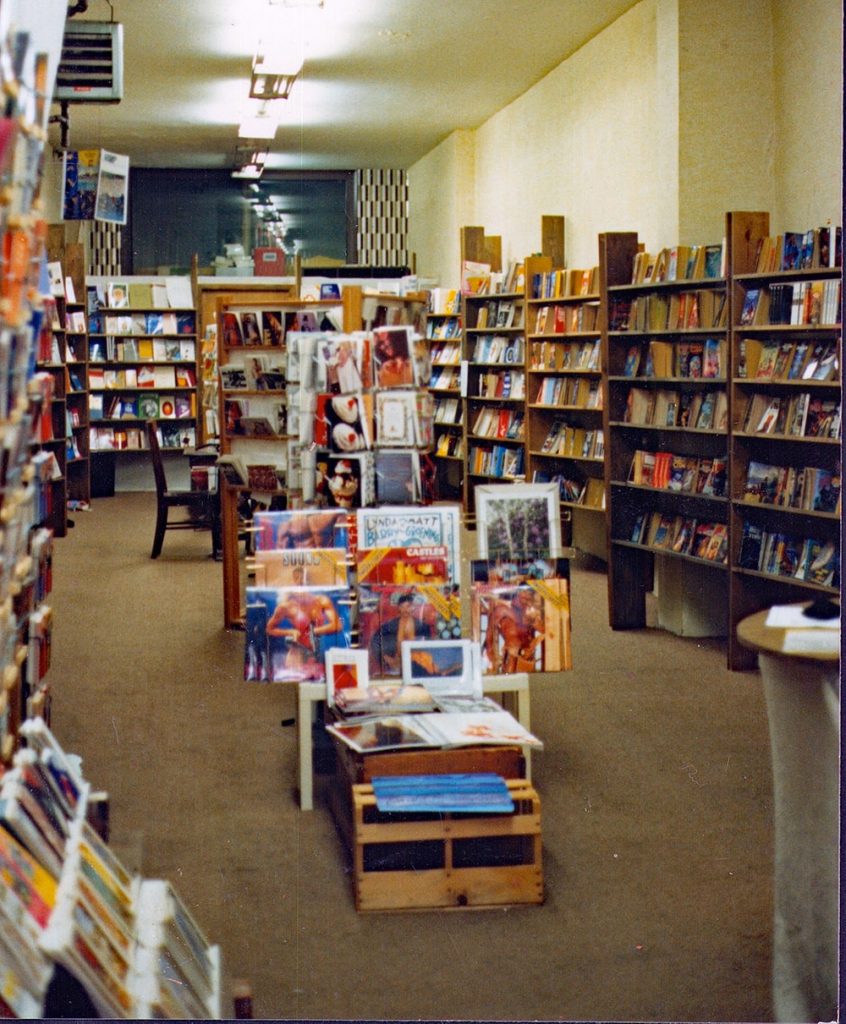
(676, 113)
(382, 213)
(441, 194)
(809, 114)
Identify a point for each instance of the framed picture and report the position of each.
(518, 520)
(443, 666)
(346, 669)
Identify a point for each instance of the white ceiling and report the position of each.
(384, 81)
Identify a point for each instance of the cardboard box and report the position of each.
(268, 262)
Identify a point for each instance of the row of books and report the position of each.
(797, 250)
(131, 350)
(683, 535)
(502, 384)
(580, 392)
(573, 441)
(588, 492)
(445, 378)
(146, 324)
(582, 318)
(565, 283)
(449, 446)
(252, 327)
(797, 415)
(441, 328)
(500, 424)
(497, 461)
(448, 410)
(498, 348)
(446, 355)
(781, 554)
(808, 488)
(788, 360)
(667, 407)
(477, 278)
(684, 473)
(444, 301)
(142, 407)
(687, 360)
(174, 292)
(171, 436)
(557, 355)
(679, 263)
(803, 302)
(678, 311)
(499, 313)
(146, 376)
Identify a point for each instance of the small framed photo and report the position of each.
(443, 666)
(346, 669)
(518, 520)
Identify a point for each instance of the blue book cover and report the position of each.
(472, 792)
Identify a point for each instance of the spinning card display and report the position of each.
(290, 629)
(389, 615)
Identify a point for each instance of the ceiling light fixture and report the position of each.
(249, 162)
(273, 75)
(262, 125)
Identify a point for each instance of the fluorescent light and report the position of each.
(248, 171)
(260, 126)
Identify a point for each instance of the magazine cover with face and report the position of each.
(290, 629)
(520, 615)
(388, 615)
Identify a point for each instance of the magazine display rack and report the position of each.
(66, 899)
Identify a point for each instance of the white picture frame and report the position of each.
(339, 659)
(518, 520)
(443, 666)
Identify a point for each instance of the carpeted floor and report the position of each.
(656, 801)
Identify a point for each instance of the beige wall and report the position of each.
(726, 125)
(809, 114)
(580, 143)
(678, 111)
(441, 200)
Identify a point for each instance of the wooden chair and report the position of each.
(202, 514)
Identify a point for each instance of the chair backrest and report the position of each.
(156, 458)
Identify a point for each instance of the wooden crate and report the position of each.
(352, 768)
(427, 861)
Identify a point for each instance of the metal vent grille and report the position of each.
(91, 67)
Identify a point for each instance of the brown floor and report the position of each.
(655, 784)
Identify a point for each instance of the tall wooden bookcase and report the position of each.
(785, 460)
(565, 440)
(443, 334)
(666, 422)
(142, 363)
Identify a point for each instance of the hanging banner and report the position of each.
(81, 168)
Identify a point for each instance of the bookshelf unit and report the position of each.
(51, 441)
(665, 345)
(565, 440)
(494, 354)
(785, 464)
(142, 363)
(443, 333)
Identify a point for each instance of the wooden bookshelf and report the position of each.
(443, 334)
(665, 342)
(142, 364)
(565, 440)
(785, 451)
